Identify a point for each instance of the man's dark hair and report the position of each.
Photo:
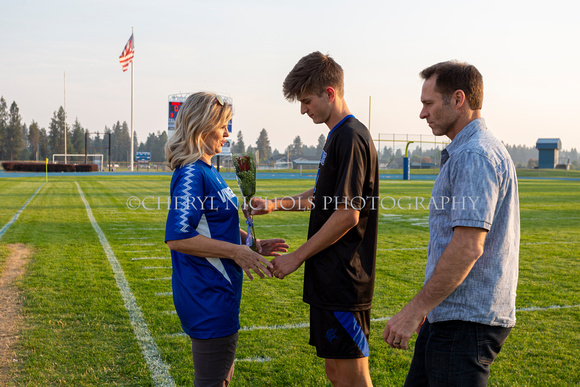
(454, 75)
(312, 75)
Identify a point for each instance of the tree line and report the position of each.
(267, 155)
(19, 141)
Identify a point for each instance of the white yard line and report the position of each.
(254, 359)
(539, 308)
(15, 217)
(549, 243)
(278, 225)
(156, 267)
(158, 368)
(404, 249)
(379, 319)
(522, 244)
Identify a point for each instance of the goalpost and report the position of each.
(95, 158)
(400, 145)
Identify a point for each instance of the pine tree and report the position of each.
(239, 146)
(320, 147)
(263, 146)
(295, 149)
(3, 127)
(34, 140)
(13, 138)
(160, 157)
(43, 145)
(77, 138)
(125, 143)
(56, 132)
(24, 151)
(116, 143)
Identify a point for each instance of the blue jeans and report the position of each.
(455, 353)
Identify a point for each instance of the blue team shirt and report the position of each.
(206, 290)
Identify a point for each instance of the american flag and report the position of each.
(127, 54)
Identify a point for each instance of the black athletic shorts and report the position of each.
(338, 334)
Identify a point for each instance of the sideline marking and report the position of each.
(158, 368)
(521, 244)
(284, 225)
(379, 319)
(254, 359)
(539, 308)
(156, 267)
(547, 243)
(11, 222)
(404, 249)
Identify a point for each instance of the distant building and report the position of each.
(305, 164)
(548, 149)
(423, 165)
(282, 163)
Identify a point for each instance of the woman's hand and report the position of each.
(271, 247)
(248, 259)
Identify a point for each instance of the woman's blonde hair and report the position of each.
(200, 114)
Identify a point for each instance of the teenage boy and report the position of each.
(340, 252)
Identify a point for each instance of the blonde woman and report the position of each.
(203, 234)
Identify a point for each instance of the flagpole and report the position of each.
(64, 82)
(132, 141)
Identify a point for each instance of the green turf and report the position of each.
(78, 331)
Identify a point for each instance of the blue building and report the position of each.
(548, 148)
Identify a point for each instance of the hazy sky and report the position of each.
(527, 51)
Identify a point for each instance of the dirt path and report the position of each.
(10, 303)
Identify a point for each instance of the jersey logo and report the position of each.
(322, 160)
(331, 335)
(227, 194)
(323, 157)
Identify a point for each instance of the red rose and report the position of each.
(244, 164)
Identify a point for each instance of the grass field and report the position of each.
(81, 322)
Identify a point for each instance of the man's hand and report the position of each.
(286, 264)
(271, 247)
(464, 249)
(259, 206)
(401, 327)
(248, 259)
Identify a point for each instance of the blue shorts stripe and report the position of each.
(355, 331)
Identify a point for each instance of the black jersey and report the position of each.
(342, 276)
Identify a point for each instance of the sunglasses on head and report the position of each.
(222, 100)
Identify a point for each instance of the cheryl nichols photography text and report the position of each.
(388, 203)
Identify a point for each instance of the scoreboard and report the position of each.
(173, 110)
(175, 102)
(143, 157)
